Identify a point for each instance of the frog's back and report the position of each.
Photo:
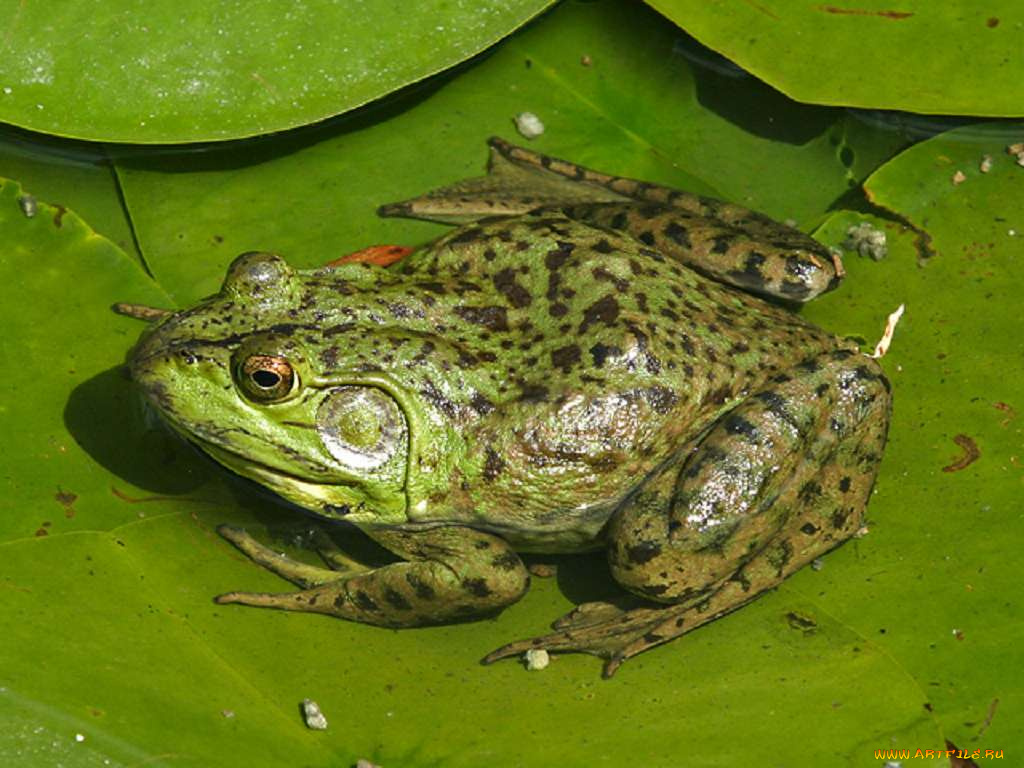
(604, 357)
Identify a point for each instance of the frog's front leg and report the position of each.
(778, 481)
(450, 573)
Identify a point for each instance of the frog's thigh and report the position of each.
(450, 573)
(779, 480)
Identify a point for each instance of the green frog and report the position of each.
(586, 362)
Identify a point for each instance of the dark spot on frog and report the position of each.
(809, 492)
(603, 246)
(737, 425)
(517, 295)
(506, 561)
(363, 600)
(720, 395)
(481, 404)
(557, 309)
(469, 235)
(423, 590)
(566, 357)
(654, 590)
(494, 465)
(601, 352)
(554, 259)
(337, 510)
(493, 318)
(600, 273)
(477, 587)
(430, 391)
(647, 238)
(809, 528)
(397, 600)
(839, 518)
(776, 405)
(844, 484)
(643, 552)
(605, 310)
(720, 244)
(678, 235)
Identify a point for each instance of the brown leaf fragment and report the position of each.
(1009, 410)
(971, 454)
(865, 12)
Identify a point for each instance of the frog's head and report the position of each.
(238, 375)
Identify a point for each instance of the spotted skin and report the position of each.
(579, 372)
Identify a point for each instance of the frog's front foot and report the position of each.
(612, 631)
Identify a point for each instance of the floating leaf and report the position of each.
(195, 71)
(953, 58)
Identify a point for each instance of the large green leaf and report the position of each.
(69, 175)
(942, 525)
(189, 70)
(953, 57)
(312, 196)
(108, 557)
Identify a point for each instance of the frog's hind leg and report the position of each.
(727, 242)
(777, 482)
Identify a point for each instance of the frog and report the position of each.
(584, 362)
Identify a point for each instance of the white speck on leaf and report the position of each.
(28, 205)
(867, 240)
(529, 125)
(536, 659)
(890, 327)
(314, 718)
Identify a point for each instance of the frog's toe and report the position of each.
(259, 599)
(606, 630)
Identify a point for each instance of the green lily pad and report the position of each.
(946, 514)
(952, 58)
(114, 653)
(71, 176)
(193, 71)
(312, 196)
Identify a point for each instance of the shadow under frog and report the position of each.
(586, 363)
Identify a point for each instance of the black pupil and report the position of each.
(266, 379)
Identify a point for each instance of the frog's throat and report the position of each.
(323, 498)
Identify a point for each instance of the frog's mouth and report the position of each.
(336, 498)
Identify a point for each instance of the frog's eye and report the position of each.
(266, 378)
